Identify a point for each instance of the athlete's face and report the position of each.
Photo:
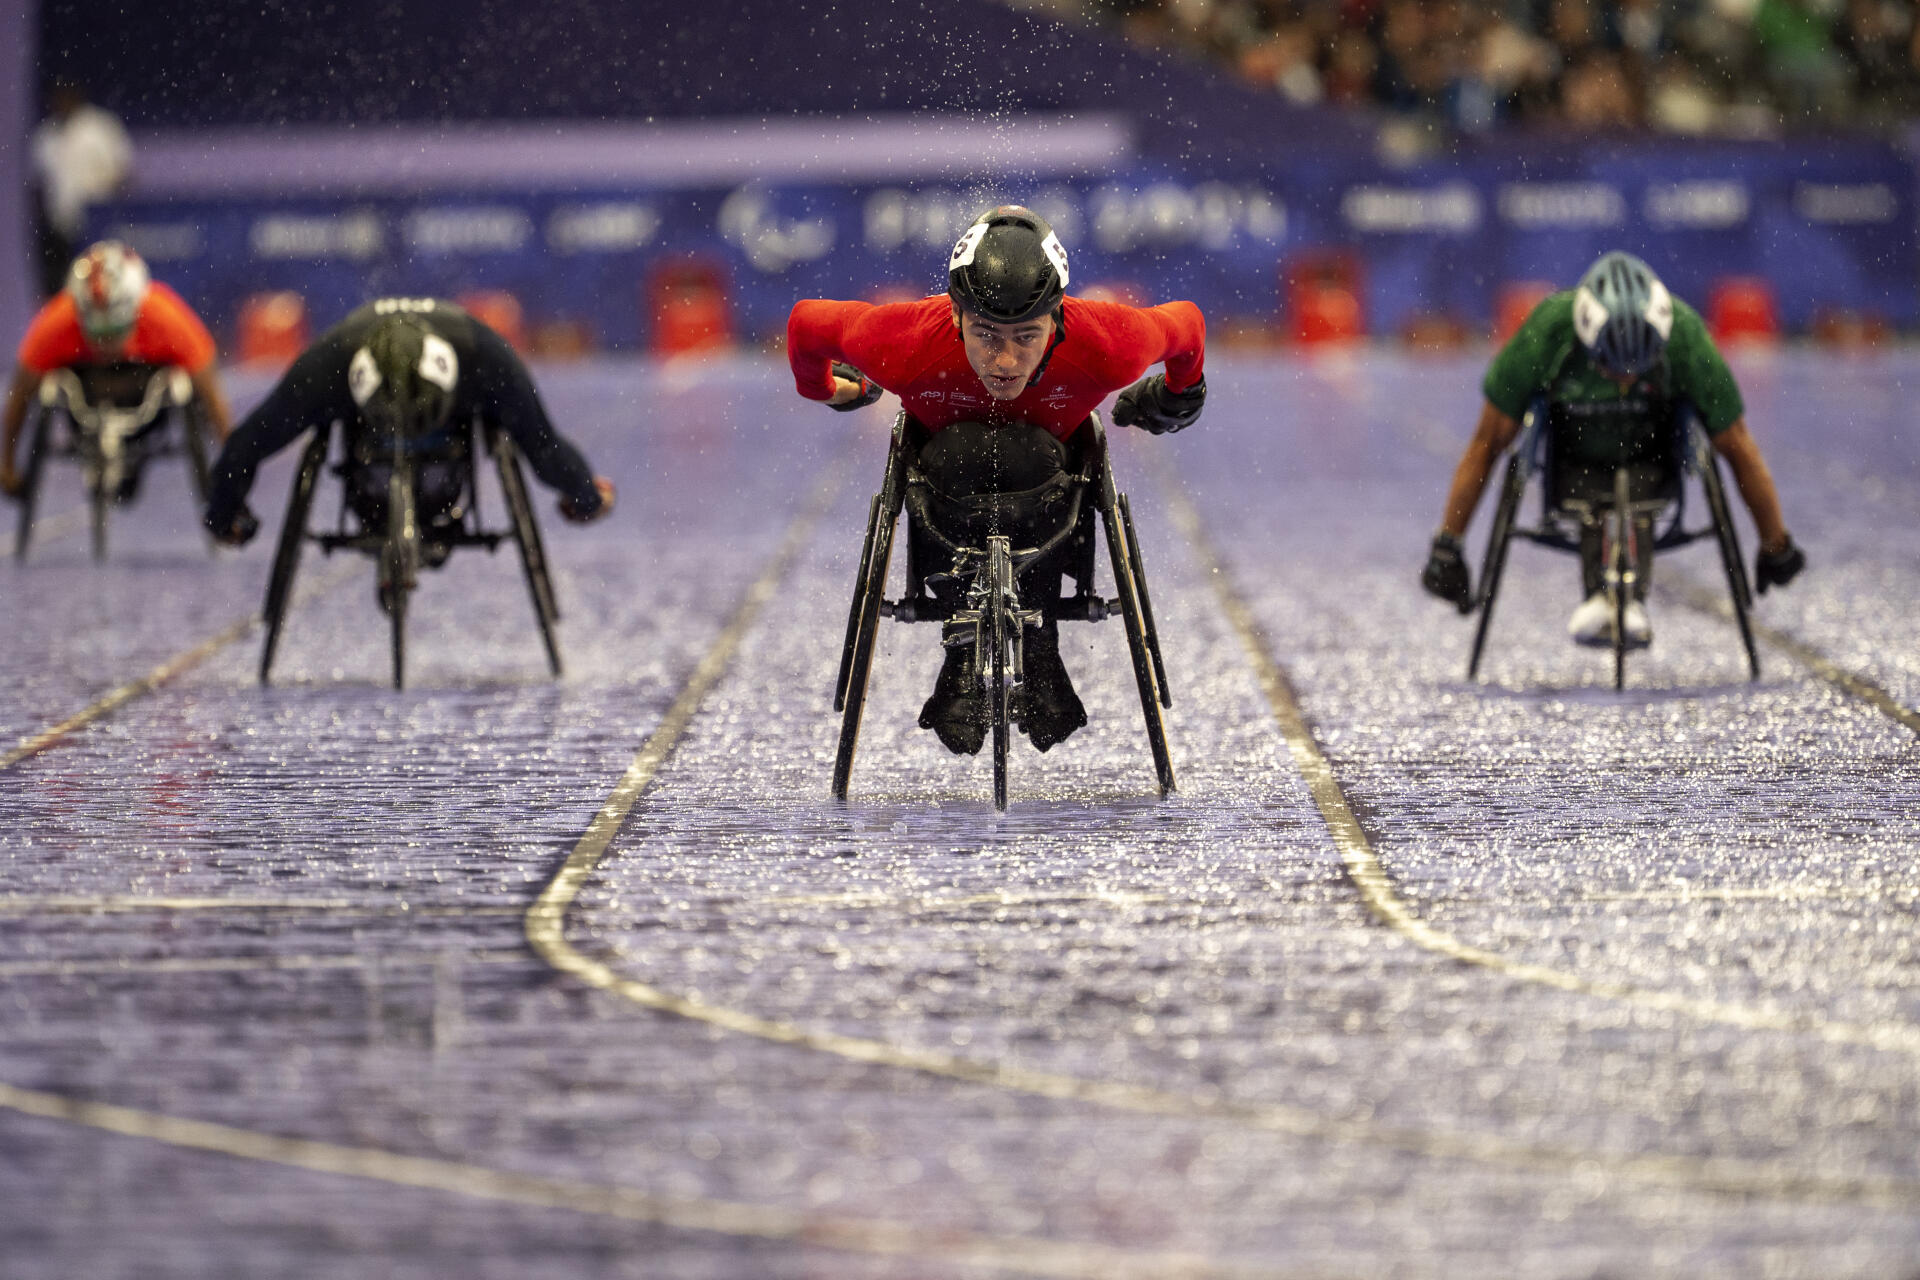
(1004, 355)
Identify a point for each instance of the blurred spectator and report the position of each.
(81, 155)
(1742, 67)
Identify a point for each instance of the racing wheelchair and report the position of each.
(409, 503)
(981, 596)
(115, 420)
(1642, 512)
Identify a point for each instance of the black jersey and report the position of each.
(493, 388)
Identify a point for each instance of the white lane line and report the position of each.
(1023, 1255)
(46, 529)
(128, 903)
(138, 967)
(1376, 886)
(169, 670)
(546, 932)
(1698, 598)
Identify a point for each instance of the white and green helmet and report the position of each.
(1622, 314)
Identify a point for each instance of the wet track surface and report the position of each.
(1555, 982)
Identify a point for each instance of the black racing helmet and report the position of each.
(1623, 314)
(1008, 267)
(403, 376)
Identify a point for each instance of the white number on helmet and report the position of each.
(1660, 310)
(1589, 316)
(363, 377)
(968, 246)
(1057, 255)
(391, 306)
(437, 362)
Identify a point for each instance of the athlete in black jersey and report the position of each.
(413, 365)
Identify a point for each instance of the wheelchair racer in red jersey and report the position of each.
(111, 311)
(998, 377)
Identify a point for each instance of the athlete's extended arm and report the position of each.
(816, 343)
(1491, 436)
(1780, 559)
(1176, 335)
(213, 399)
(1446, 572)
(298, 402)
(1736, 445)
(509, 398)
(19, 396)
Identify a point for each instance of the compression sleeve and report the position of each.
(312, 394)
(816, 337)
(508, 398)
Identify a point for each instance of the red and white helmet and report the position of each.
(107, 284)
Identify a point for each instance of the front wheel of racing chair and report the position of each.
(526, 535)
(286, 554)
(39, 444)
(400, 558)
(869, 595)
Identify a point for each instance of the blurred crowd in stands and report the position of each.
(1745, 68)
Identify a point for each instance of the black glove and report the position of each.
(1778, 568)
(1446, 572)
(1148, 404)
(236, 530)
(869, 389)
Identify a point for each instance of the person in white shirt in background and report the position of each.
(81, 155)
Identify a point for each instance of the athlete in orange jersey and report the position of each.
(110, 312)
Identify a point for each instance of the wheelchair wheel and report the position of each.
(1126, 579)
(863, 622)
(1146, 601)
(400, 562)
(533, 553)
(286, 555)
(999, 682)
(99, 494)
(1620, 570)
(1738, 587)
(37, 448)
(1494, 564)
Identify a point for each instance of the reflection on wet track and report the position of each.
(1420, 976)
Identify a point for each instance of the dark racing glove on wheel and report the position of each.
(869, 389)
(236, 530)
(579, 513)
(1148, 404)
(1778, 568)
(1446, 572)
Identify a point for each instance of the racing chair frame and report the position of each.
(405, 545)
(1618, 517)
(988, 600)
(110, 410)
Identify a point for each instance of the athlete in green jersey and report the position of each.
(1616, 360)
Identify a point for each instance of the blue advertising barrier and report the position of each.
(1829, 225)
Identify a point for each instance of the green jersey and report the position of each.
(1595, 419)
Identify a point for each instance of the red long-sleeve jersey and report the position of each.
(913, 350)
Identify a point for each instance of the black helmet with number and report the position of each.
(403, 376)
(1008, 267)
(1623, 314)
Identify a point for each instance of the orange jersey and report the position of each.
(165, 332)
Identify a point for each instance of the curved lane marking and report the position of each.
(1855, 685)
(546, 934)
(1030, 1256)
(1376, 886)
(172, 668)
